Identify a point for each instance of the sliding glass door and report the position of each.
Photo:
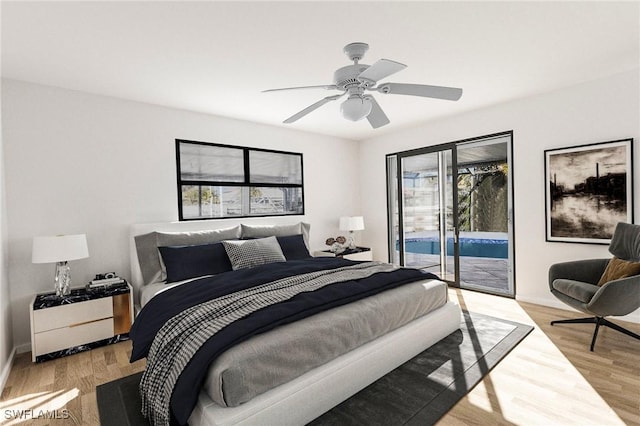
(450, 210)
(485, 208)
(423, 221)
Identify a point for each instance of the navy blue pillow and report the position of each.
(184, 262)
(293, 247)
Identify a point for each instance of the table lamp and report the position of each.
(351, 224)
(60, 249)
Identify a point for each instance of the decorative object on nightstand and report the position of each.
(337, 244)
(60, 249)
(107, 279)
(351, 224)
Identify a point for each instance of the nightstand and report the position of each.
(358, 253)
(85, 319)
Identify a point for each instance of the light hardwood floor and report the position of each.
(550, 378)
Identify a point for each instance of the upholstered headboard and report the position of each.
(197, 232)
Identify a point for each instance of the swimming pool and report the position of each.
(477, 247)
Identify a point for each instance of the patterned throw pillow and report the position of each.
(617, 269)
(250, 253)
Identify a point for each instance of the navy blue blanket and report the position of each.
(173, 301)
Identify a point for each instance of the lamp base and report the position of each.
(62, 279)
(351, 242)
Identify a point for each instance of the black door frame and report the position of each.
(453, 147)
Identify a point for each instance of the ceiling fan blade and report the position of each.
(310, 108)
(438, 92)
(325, 86)
(377, 117)
(381, 69)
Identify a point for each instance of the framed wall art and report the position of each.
(589, 189)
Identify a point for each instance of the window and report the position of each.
(222, 181)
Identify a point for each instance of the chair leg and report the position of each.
(598, 321)
(590, 320)
(595, 332)
(620, 329)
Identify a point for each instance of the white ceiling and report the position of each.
(217, 57)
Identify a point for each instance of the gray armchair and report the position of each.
(576, 284)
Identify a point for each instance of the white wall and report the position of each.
(79, 163)
(6, 335)
(598, 111)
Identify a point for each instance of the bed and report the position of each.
(275, 374)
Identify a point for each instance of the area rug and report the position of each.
(418, 392)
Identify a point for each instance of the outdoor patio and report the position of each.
(479, 273)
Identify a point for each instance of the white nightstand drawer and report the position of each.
(68, 337)
(75, 313)
(363, 255)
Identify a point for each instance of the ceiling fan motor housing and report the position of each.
(347, 77)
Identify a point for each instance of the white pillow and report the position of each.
(250, 253)
(261, 231)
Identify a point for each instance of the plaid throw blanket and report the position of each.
(183, 335)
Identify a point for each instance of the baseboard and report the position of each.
(546, 302)
(7, 370)
(25, 347)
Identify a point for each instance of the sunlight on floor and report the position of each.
(554, 393)
(41, 405)
(480, 397)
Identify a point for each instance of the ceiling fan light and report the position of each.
(356, 108)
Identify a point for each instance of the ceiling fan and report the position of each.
(354, 80)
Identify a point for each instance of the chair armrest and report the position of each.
(587, 271)
(619, 297)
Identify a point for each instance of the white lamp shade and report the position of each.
(351, 223)
(59, 248)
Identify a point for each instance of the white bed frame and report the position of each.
(317, 391)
